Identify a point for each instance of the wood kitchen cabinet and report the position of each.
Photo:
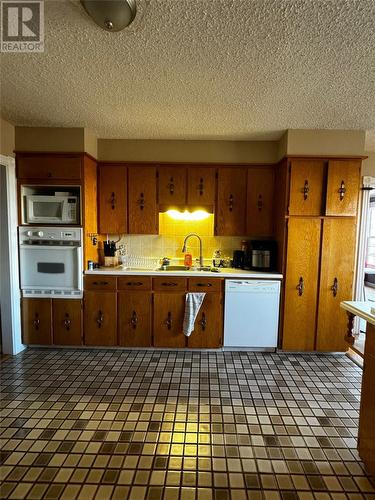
(100, 325)
(231, 202)
(37, 321)
(343, 187)
(67, 321)
(134, 318)
(301, 284)
(336, 279)
(172, 185)
(260, 194)
(208, 329)
(201, 186)
(307, 178)
(112, 199)
(143, 212)
(169, 309)
(47, 166)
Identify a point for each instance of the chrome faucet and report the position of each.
(200, 246)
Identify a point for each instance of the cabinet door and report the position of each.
(208, 327)
(67, 322)
(306, 187)
(36, 321)
(172, 185)
(169, 309)
(100, 319)
(143, 213)
(336, 281)
(260, 190)
(49, 166)
(112, 199)
(231, 202)
(343, 187)
(201, 186)
(301, 284)
(134, 319)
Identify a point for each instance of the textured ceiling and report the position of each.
(200, 69)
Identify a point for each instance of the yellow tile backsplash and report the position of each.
(169, 241)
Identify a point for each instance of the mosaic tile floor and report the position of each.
(136, 424)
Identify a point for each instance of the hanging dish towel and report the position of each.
(193, 303)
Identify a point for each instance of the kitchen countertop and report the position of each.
(360, 309)
(224, 273)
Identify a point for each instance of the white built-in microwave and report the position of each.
(57, 209)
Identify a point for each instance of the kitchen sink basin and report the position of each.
(184, 268)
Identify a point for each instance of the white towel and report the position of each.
(193, 303)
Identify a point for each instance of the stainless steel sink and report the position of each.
(184, 268)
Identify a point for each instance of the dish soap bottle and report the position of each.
(188, 260)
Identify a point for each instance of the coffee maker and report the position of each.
(261, 255)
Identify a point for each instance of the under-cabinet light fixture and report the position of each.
(186, 215)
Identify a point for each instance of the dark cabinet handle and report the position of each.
(203, 321)
(342, 190)
(100, 319)
(100, 283)
(168, 321)
(203, 284)
(260, 203)
(201, 186)
(49, 174)
(306, 190)
(113, 201)
(335, 287)
(301, 286)
(134, 283)
(231, 202)
(134, 320)
(168, 284)
(171, 185)
(36, 321)
(142, 201)
(67, 322)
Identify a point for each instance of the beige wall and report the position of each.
(368, 166)
(188, 151)
(7, 138)
(326, 142)
(50, 139)
(91, 143)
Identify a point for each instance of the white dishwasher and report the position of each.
(251, 317)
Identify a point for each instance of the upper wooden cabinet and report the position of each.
(172, 185)
(260, 194)
(201, 186)
(112, 199)
(306, 187)
(301, 284)
(335, 285)
(231, 201)
(343, 187)
(143, 213)
(49, 166)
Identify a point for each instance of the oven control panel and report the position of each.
(57, 234)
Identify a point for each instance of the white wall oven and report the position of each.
(51, 262)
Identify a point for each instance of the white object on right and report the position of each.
(251, 317)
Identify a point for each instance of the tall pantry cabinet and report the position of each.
(321, 205)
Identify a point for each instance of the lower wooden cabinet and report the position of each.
(52, 321)
(67, 322)
(134, 319)
(100, 324)
(37, 321)
(169, 309)
(208, 327)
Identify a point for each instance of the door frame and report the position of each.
(9, 288)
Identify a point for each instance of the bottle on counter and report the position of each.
(188, 260)
(216, 259)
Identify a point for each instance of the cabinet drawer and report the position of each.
(169, 284)
(49, 167)
(203, 284)
(134, 283)
(96, 282)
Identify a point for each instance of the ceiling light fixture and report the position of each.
(111, 15)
